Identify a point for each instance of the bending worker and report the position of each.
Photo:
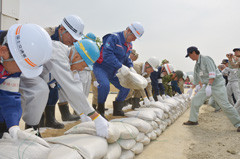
(114, 57)
(207, 72)
(24, 48)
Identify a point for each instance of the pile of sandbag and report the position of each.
(126, 136)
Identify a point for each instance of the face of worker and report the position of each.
(10, 66)
(148, 68)
(78, 66)
(193, 56)
(237, 53)
(67, 38)
(130, 36)
(133, 57)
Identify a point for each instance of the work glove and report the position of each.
(164, 96)
(13, 132)
(85, 118)
(101, 125)
(123, 71)
(146, 101)
(95, 84)
(208, 90)
(167, 96)
(132, 70)
(152, 101)
(160, 99)
(189, 92)
(18, 134)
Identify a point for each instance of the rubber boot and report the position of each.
(94, 106)
(35, 128)
(41, 123)
(66, 115)
(101, 109)
(50, 120)
(117, 108)
(135, 103)
(3, 129)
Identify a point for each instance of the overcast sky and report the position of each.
(171, 26)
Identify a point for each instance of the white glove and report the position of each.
(189, 92)
(132, 70)
(101, 125)
(160, 99)
(146, 101)
(151, 100)
(124, 70)
(163, 96)
(208, 90)
(167, 96)
(95, 84)
(85, 118)
(13, 131)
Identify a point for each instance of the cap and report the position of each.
(236, 49)
(224, 61)
(191, 49)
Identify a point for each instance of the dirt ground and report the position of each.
(213, 138)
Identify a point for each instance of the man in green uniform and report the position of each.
(207, 72)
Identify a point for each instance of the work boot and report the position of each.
(66, 115)
(3, 129)
(41, 123)
(135, 103)
(36, 129)
(190, 123)
(50, 120)
(101, 109)
(94, 106)
(117, 108)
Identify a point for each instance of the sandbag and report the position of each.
(63, 152)
(145, 115)
(140, 124)
(145, 141)
(159, 112)
(127, 154)
(158, 131)
(126, 144)
(137, 148)
(161, 105)
(153, 124)
(133, 81)
(114, 151)
(152, 135)
(140, 137)
(90, 147)
(23, 148)
(126, 130)
(89, 128)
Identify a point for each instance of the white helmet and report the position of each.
(30, 46)
(191, 79)
(168, 68)
(185, 76)
(74, 25)
(154, 62)
(137, 29)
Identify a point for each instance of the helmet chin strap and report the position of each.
(79, 61)
(61, 35)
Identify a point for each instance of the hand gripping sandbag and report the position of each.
(133, 81)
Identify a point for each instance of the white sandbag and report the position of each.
(114, 151)
(158, 121)
(137, 148)
(159, 112)
(145, 115)
(91, 147)
(63, 152)
(127, 154)
(140, 124)
(89, 128)
(152, 135)
(140, 137)
(23, 148)
(133, 81)
(126, 144)
(126, 130)
(145, 141)
(161, 105)
(165, 115)
(153, 124)
(169, 122)
(171, 102)
(158, 131)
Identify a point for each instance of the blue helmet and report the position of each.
(91, 36)
(88, 50)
